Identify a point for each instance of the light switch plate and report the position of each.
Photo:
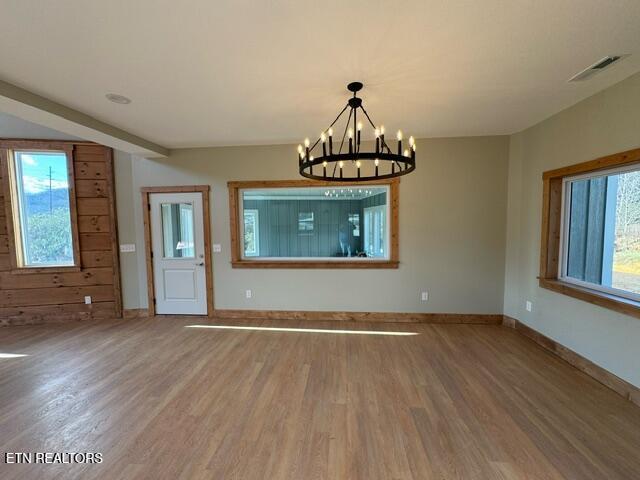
(217, 248)
(128, 247)
(528, 306)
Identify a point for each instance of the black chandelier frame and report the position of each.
(329, 166)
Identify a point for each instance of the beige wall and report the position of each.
(606, 123)
(125, 198)
(452, 231)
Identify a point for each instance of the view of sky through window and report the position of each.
(43, 208)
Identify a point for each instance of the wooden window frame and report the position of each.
(236, 245)
(7, 147)
(551, 241)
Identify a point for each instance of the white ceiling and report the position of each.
(237, 72)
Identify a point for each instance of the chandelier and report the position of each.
(342, 160)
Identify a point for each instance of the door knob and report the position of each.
(201, 264)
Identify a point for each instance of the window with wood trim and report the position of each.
(309, 224)
(41, 207)
(591, 231)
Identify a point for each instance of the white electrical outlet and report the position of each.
(217, 248)
(87, 300)
(248, 294)
(128, 247)
(528, 305)
(425, 296)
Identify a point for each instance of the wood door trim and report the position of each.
(206, 218)
(208, 271)
(146, 218)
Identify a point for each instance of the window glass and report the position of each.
(602, 231)
(354, 220)
(305, 222)
(42, 214)
(374, 231)
(177, 230)
(314, 222)
(251, 233)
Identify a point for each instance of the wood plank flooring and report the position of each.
(160, 400)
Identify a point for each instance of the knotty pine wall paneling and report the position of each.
(57, 296)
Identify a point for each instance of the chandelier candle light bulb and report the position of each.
(306, 148)
(352, 128)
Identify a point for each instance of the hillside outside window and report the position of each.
(41, 208)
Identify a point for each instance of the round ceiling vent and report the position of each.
(115, 98)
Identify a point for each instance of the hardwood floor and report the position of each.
(163, 401)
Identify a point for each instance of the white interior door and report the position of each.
(177, 237)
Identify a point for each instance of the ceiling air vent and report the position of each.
(595, 68)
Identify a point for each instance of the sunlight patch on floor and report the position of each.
(306, 330)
